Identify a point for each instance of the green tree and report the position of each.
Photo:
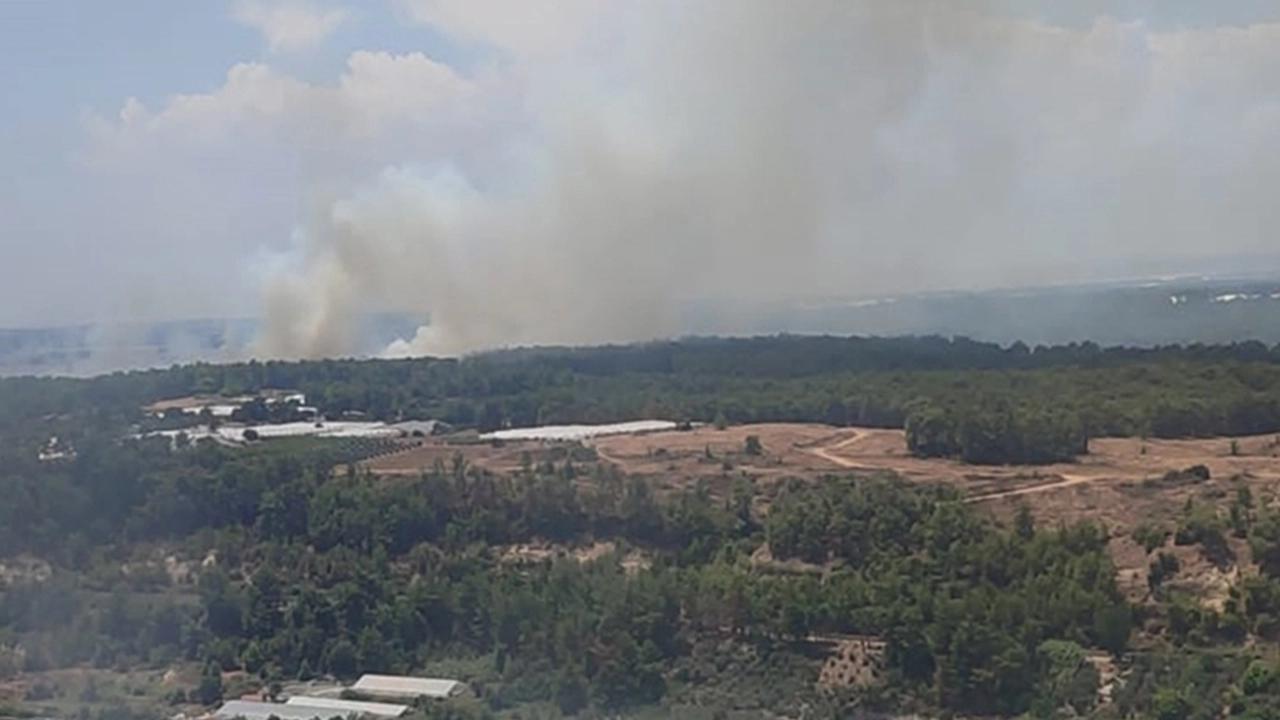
(209, 690)
(1149, 536)
(1260, 677)
(1067, 679)
(1264, 542)
(342, 659)
(1112, 626)
(1170, 704)
(571, 691)
(1024, 523)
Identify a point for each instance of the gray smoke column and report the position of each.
(707, 161)
(770, 149)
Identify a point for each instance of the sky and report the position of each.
(536, 171)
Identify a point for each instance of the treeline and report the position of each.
(785, 356)
(148, 491)
(999, 434)
(1170, 390)
(957, 398)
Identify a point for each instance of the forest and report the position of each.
(329, 573)
(319, 573)
(297, 565)
(962, 398)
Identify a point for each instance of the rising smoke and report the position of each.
(758, 149)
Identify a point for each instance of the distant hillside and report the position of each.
(1134, 314)
(1142, 313)
(83, 350)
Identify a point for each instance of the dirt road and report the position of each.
(1066, 482)
(827, 451)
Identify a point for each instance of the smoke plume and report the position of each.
(761, 149)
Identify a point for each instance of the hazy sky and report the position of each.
(307, 159)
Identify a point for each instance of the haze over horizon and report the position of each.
(572, 172)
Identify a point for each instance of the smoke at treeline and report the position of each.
(670, 152)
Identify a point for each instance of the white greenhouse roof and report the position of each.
(351, 706)
(579, 432)
(402, 686)
(251, 710)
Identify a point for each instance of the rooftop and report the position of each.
(408, 687)
(350, 706)
(251, 710)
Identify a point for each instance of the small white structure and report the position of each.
(425, 428)
(375, 709)
(55, 449)
(400, 686)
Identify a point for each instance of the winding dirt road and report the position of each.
(1066, 482)
(829, 449)
(826, 452)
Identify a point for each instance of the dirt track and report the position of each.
(675, 458)
(828, 452)
(1119, 484)
(1069, 480)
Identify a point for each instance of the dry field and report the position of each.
(678, 458)
(1117, 484)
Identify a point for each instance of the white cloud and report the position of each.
(377, 93)
(289, 25)
(189, 193)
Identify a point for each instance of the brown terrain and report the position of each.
(421, 456)
(1120, 483)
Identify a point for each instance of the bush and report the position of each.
(1261, 677)
(1202, 525)
(1149, 536)
(1162, 568)
(1170, 704)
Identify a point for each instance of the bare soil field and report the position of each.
(677, 458)
(798, 450)
(1120, 483)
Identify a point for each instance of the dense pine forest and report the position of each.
(953, 388)
(297, 565)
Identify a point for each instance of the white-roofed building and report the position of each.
(374, 709)
(252, 710)
(400, 686)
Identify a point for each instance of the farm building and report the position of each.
(400, 686)
(370, 709)
(252, 710)
(580, 432)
